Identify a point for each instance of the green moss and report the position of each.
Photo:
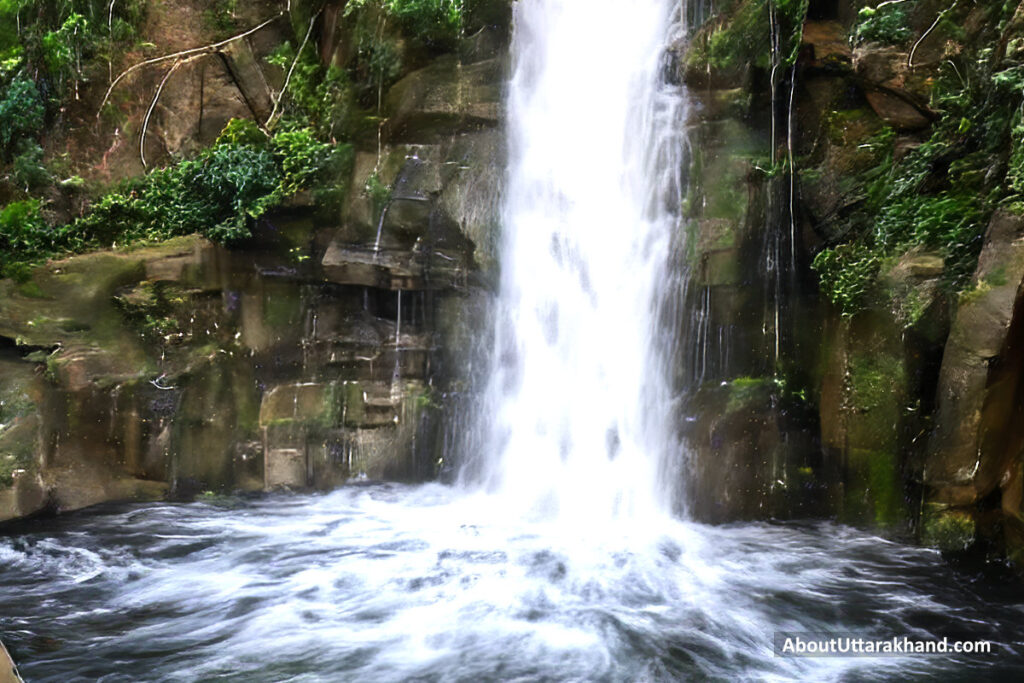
(873, 378)
(997, 278)
(874, 493)
(32, 290)
(948, 530)
(354, 404)
(745, 391)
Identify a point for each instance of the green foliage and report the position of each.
(215, 195)
(28, 170)
(241, 132)
(377, 67)
(55, 39)
(907, 209)
(62, 49)
(218, 194)
(317, 96)
(743, 34)
(220, 16)
(437, 23)
(886, 24)
(24, 235)
(1015, 173)
(21, 113)
(846, 274)
(941, 195)
(301, 156)
(378, 192)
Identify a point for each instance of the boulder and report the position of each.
(898, 93)
(443, 99)
(8, 671)
(828, 43)
(977, 443)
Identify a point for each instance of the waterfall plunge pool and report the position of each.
(429, 583)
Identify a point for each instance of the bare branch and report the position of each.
(152, 105)
(910, 57)
(213, 47)
(284, 88)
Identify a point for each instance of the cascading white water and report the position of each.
(580, 395)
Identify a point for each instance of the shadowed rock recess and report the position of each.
(851, 270)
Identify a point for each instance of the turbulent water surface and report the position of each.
(395, 583)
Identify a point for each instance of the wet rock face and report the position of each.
(320, 352)
(975, 451)
(212, 375)
(917, 389)
(752, 454)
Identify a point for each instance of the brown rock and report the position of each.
(828, 41)
(980, 415)
(896, 111)
(8, 671)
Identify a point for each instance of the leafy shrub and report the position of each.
(742, 34)
(62, 49)
(316, 96)
(23, 234)
(884, 24)
(241, 132)
(28, 169)
(437, 23)
(846, 274)
(21, 113)
(301, 156)
(215, 195)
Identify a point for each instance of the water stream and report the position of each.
(557, 558)
(580, 397)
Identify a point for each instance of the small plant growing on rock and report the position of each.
(886, 23)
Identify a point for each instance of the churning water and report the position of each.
(565, 565)
(395, 583)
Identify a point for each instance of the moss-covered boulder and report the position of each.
(974, 462)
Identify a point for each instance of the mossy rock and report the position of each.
(876, 393)
(873, 488)
(19, 446)
(309, 403)
(948, 530)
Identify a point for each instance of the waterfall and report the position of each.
(580, 395)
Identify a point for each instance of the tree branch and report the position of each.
(195, 51)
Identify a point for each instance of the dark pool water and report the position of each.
(395, 583)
